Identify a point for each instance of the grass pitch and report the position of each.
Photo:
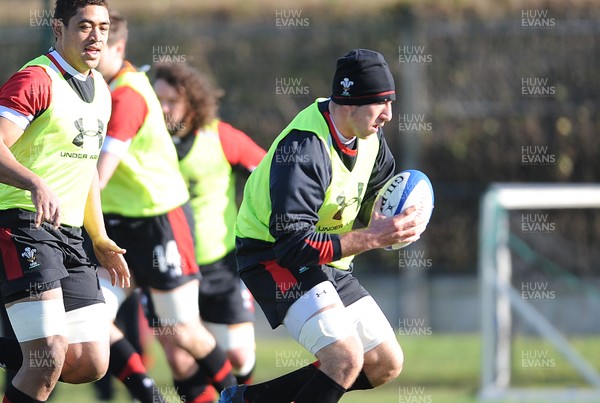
(438, 368)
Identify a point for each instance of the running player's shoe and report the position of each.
(233, 394)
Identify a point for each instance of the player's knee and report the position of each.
(192, 337)
(237, 357)
(49, 356)
(350, 363)
(387, 368)
(98, 366)
(344, 357)
(388, 372)
(91, 371)
(85, 366)
(89, 348)
(181, 363)
(241, 358)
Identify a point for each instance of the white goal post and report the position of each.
(499, 298)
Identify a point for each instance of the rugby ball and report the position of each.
(408, 188)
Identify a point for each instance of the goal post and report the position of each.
(499, 298)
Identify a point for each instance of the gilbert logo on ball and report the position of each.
(408, 188)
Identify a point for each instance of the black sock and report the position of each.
(126, 364)
(320, 388)
(218, 369)
(14, 395)
(284, 388)
(196, 389)
(11, 356)
(104, 388)
(361, 382)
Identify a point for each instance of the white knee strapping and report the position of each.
(177, 306)
(232, 337)
(38, 319)
(371, 324)
(90, 323)
(315, 299)
(238, 336)
(114, 297)
(315, 331)
(326, 328)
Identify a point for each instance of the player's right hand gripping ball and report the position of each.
(408, 188)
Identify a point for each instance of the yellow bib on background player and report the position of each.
(212, 191)
(147, 181)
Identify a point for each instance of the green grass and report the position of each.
(438, 368)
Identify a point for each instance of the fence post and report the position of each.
(414, 303)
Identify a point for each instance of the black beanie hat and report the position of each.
(362, 77)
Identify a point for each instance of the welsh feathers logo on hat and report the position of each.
(346, 83)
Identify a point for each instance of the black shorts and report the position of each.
(160, 249)
(276, 288)
(223, 296)
(44, 258)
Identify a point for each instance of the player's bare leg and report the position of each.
(383, 363)
(181, 329)
(342, 361)
(44, 349)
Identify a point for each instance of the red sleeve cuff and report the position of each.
(329, 251)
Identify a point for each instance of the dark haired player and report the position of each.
(53, 118)
(211, 154)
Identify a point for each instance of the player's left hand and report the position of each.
(110, 256)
